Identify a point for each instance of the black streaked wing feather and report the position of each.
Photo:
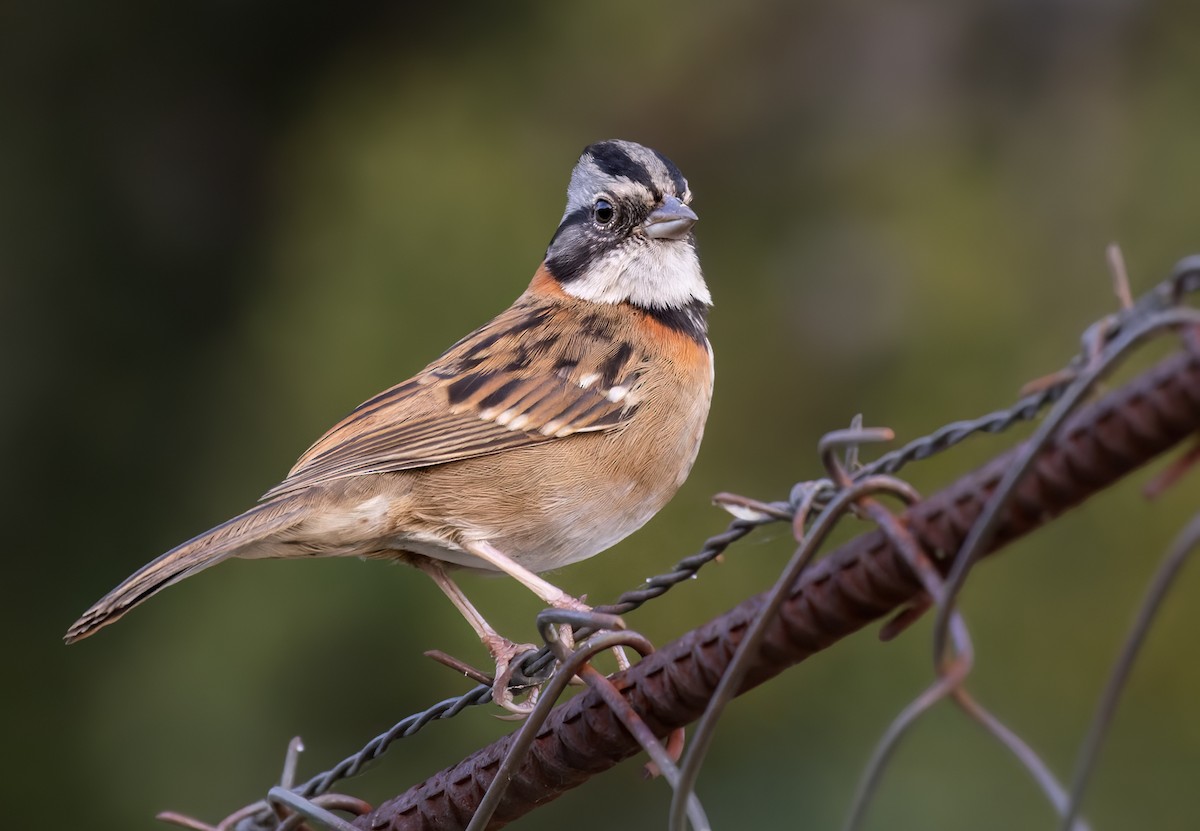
(521, 379)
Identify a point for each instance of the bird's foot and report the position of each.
(505, 653)
(564, 633)
(591, 620)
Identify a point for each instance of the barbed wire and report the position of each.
(812, 507)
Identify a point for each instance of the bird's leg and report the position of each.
(547, 592)
(502, 650)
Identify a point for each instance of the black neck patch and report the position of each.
(690, 320)
(569, 262)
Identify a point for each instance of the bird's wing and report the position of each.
(530, 375)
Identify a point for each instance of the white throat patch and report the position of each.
(647, 273)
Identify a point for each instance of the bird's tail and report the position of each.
(229, 539)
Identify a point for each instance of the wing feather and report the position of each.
(528, 376)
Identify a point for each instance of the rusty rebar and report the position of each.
(860, 582)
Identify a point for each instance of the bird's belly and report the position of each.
(541, 513)
(547, 536)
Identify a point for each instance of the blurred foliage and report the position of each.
(224, 224)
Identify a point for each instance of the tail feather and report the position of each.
(226, 540)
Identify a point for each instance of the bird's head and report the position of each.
(626, 235)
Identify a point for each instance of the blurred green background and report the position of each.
(222, 225)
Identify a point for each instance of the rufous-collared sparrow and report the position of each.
(540, 439)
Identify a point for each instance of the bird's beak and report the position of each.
(670, 220)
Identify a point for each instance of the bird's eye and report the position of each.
(603, 212)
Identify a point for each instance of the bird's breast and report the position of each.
(557, 502)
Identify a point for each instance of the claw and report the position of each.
(505, 652)
(517, 712)
(565, 634)
(622, 659)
